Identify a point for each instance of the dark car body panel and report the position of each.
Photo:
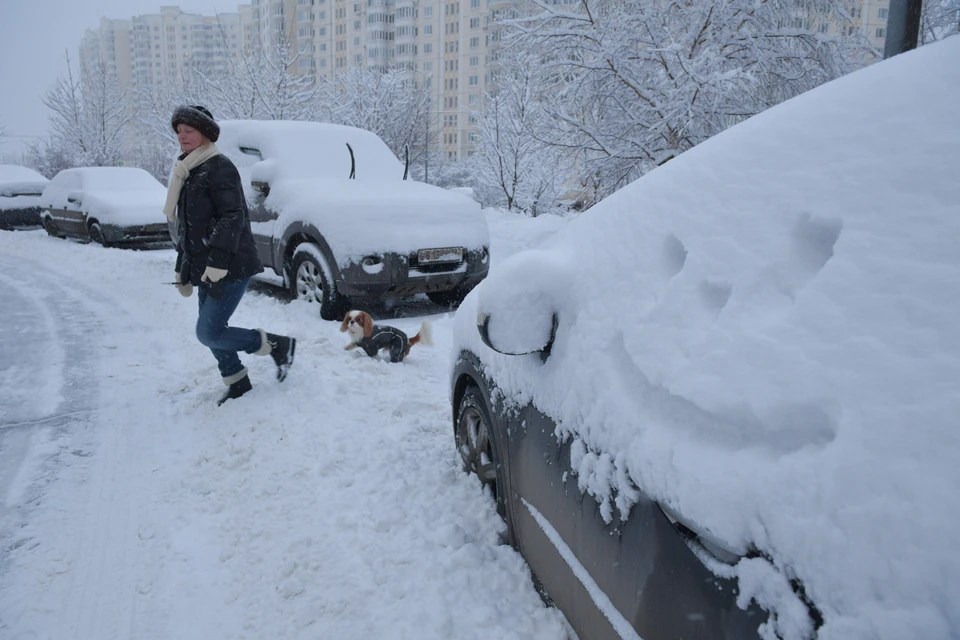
(643, 565)
(399, 276)
(20, 217)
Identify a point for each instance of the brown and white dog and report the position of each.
(373, 338)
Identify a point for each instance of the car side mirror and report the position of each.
(75, 197)
(536, 337)
(261, 187)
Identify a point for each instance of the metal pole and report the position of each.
(903, 26)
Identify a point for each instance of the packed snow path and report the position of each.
(331, 506)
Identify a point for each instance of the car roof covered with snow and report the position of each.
(14, 173)
(762, 334)
(111, 179)
(304, 150)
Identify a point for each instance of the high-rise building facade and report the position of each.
(146, 50)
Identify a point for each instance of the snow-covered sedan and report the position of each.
(20, 189)
(723, 403)
(335, 218)
(106, 205)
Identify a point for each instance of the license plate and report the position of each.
(434, 256)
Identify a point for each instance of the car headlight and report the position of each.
(372, 264)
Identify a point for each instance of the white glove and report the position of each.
(186, 290)
(213, 275)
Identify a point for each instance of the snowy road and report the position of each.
(331, 506)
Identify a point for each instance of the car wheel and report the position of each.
(50, 227)
(310, 280)
(477, 444)
(96, 234)
(451, 298)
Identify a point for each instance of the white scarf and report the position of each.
(181, 171)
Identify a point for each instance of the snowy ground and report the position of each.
(331, 506)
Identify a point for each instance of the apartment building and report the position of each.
(444, 45)
(145, 50)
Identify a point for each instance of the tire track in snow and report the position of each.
(70, 534)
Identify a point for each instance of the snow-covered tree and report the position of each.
(939, 19)
(89, 116)
(261, 84)
(514, 165)
(389, 103)
(634, 83)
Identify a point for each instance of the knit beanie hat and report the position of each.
(197, 117)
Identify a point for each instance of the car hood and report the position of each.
(762, 335)
(125, 208)
(359, 218)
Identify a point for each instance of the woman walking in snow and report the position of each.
(216, 250)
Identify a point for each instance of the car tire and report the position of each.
(451, 298)
(478, 442)
(96, 234)
(50, 227)
(311, 280)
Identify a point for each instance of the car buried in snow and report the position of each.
(722, 402)
(334, 217)
(20, 189)
(111, 206)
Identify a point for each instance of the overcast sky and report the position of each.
(34, 34)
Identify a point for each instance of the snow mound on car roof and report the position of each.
(18, 174)
(766, 340)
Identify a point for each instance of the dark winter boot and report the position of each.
(281, 350)
(237, 389)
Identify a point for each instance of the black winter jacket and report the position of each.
(214, 225)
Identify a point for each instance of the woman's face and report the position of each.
(189, 138)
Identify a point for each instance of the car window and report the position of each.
(55, 194)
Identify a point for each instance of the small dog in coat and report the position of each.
(374, 338)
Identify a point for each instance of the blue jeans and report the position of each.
(213, 332)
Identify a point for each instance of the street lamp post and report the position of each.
(903, 26)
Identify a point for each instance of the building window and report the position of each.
(474, 98)
(824, 28)
(881, 32)
(882, 13)
(474, 81)
(428, 30)
(356, 25)
(474, 23)
(428, 47)
(472, 118)
(474, 42)
(427, 12)
(427, 66)
(474, 61)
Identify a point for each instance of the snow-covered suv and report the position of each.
(333, 216)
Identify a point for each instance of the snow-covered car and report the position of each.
(731, 409)
(334, 216)
(107, 205)
(20, 189)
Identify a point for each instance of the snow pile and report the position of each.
(114, 195)
(307, 165)
(765, 339)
